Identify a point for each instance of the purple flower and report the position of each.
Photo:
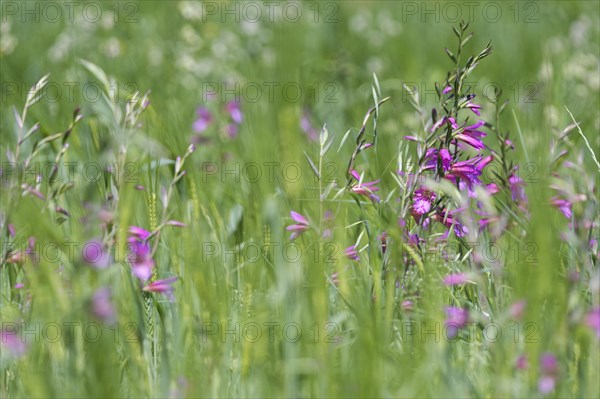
(232, 130)
(517, 309)
(522, 363)
(444, 121)
(367, 189)
(96, 255)
(456, 279)
(233, 107)
(139, 233)
(548, 363)
(307, 127)
(433, 156)
(517, 188)
(12, 343)
(204, 120)
(447, 219)
(447, 90)
(102, 306)
(164, 286)
(563, 205)
(592, 320)
(474, 107)
(422, 200)
(300, 227)
(351, 253)
(471, 135)
(546, 384)
(456, 318)
(140, 257)
(549, 373)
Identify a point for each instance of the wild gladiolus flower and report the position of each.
(102, 306)
(456, 279)
(471, 135)
(300, 227)
(549, 371)
(474, 107)
(365, 188)
(307, 127)
(233, 108)
(140, 257)
(204, 120)
(422, 202)
(96, 255)
(12, 344)
(435, 157)
(447, 219)
(164, 286)
(592, 320)
(443, 121)
(456, 318)
(351, 253)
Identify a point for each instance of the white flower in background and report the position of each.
(7, 41)
(191, 10)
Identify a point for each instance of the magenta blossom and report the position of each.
(517, 188)
(102, 306)
(592, 320)
(96, 255)
(448, 219)
(204, 120)
(471, 135)
(443, 121)
(367, 189)
(300, 227)
(233, 108)
(12, 343)
(456, 318)
(433, 156)
(307, 127)
(351, 253)
(164, 286)
(140, 256)
(456, 279)
(422, 202)
(549, 373)
(474, 107)
(139, 233)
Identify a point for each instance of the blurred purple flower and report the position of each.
(456, 318)
(517, 188)
(95, 255)
(456, 279)
(447, 90)
(444, 121)
(233, 108)
(307, 127)
(164, 286)
(204, 120)
(592, 320)
(102, 307)
(299, 228)
(139, 233)
(12, 343)
(367, 189)
(522, 363)
(351, 253)
(549, 373)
